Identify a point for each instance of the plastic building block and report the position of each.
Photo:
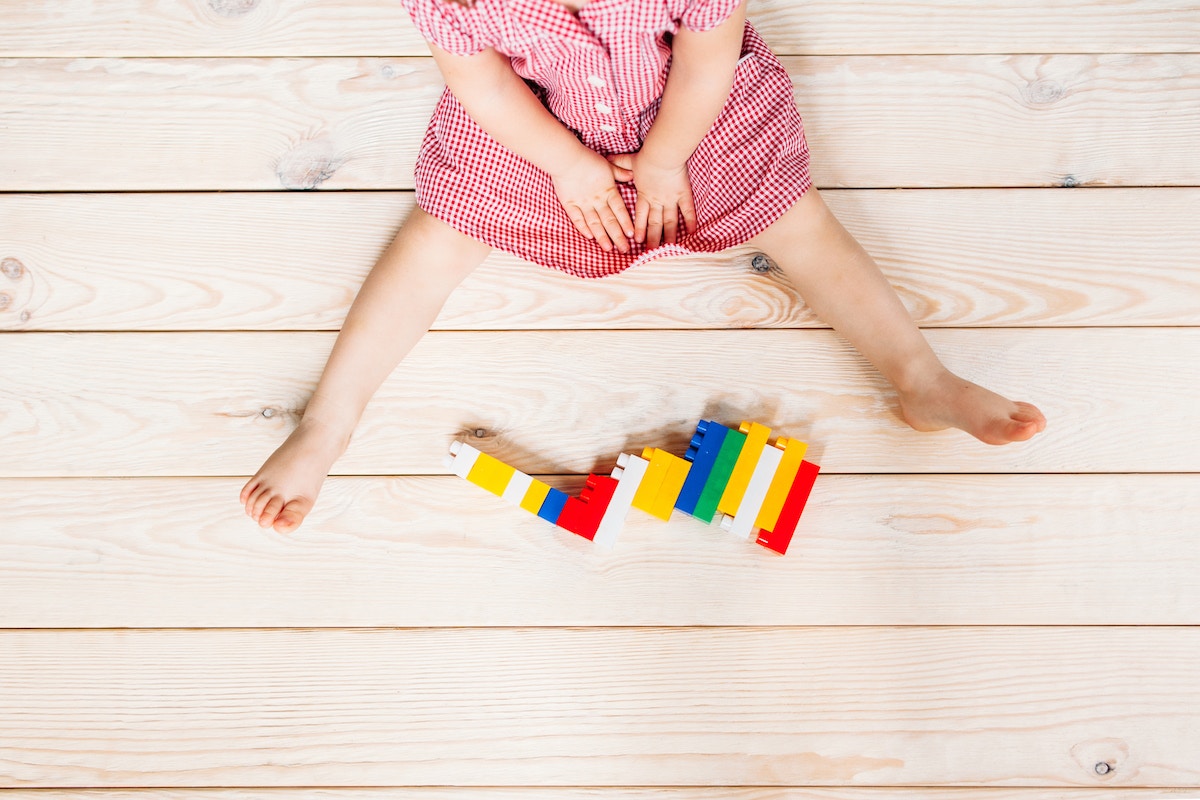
(785, 476)
(760, 488)
(742, 523)
(731, 448)
(779, 537)
(743, 470)
(628, 474)
(656, 471)
(491, 474)
(535, 496)
(668, 493)
(702, 452)
(517, 488)
(462, 457)
(552, 506)
(582, 514)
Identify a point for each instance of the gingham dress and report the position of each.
(602, 72)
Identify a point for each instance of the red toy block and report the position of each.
(582, 514)
(780, 537)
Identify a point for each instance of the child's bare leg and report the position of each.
(397, 303)
(844, 287)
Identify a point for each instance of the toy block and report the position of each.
(535, 496)
(552, 506)
(743, 470)
(582, 514)
(668, 493)
(785, 476)
(731, 448)
(628, 474)
(702, 452)
(659, 461)
(741, 524)
(517, 488)
(780, 536)
(491, 474)
(462, 457)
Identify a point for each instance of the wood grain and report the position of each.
(615, 707)
(421, 552)
(355, 123)
(262, 261)
(379, 27)
(602, 793)
(558, 401)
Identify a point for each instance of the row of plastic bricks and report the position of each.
(759, 487)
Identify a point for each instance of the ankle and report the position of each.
(334, 431)
(919, 376)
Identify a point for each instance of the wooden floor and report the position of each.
(953, 621)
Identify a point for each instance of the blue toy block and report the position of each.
(552, 506)
(703, 454)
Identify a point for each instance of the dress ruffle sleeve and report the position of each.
(446, 24)
(703, 15)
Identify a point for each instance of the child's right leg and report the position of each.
(394, 308)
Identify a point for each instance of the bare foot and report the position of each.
(948, 401)
(285, 488)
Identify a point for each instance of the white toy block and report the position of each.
(518, 485)
(629, 472)
(462, 457)
(756, 492)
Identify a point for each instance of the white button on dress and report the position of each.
(597, 81)
(604, 108)
(608, 128)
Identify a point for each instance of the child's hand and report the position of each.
(588, 193)
(663, 193)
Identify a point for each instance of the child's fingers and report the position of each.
(670, 224)
(642, 213)
(612, 227)
(622, 214)
(578, 220)
(654, 225)
(689, 213)
(596, 226)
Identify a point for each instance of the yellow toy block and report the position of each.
(535, 496)
(660, 461)
(491, 474)
(793, 454)
(743, 470)
(668, 493)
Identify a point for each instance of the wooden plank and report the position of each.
(217, 404)
(618, 707)
(355, 123)
(379, 27)
(605, 793)
(258, 261)
(408, 552)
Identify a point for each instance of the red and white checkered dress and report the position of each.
(602, 72)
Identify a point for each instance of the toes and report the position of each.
(268, 515)
(259, 501)
(250, 486)
(252, 498)
(292, 515)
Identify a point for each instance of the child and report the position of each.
(559, 117)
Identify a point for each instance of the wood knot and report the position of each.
(13, 268)
(5, 300)
(233, 8)
(1042, 92)
(307, 165)
(761, 264)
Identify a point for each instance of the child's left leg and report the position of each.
(844, 287)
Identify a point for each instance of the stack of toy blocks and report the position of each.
(760, 488)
